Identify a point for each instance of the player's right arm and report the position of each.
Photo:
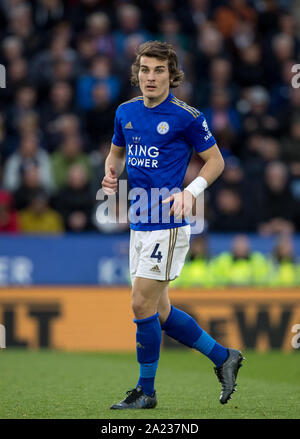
(114, 166)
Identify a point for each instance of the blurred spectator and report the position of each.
(281, 91)
(277, 206)
(170, 31)
(280, 50)
(60, 102)
(17, 74)
(210, 44)
(9, 219)
(65, 126)
(194, 15)
(257, 152)
(290, 111)
(44, 62)
(290, 144)
(75, 201)
(196, 270)
(39, 218)
(28, 152)
(30, 185)
(286, 270)
(268, 19)
(21, 25)
(78, 11)
(69, 154)
(87, 50)
(223, 120)
(228, 18)
(98, 28)
(220, 78)
(4, 144)
(100, 73)
(48, 13)
(100, 119)
(124, 62)
(241, 266)
(129, 18)
(249, 70)
(230, 214)
(12, 48)
(28, 126)
(233, 177)
(25, 101)
(258, 119)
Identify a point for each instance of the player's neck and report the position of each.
(154, 102)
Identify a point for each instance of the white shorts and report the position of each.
(158, 254)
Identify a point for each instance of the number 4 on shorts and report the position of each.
(156, 254)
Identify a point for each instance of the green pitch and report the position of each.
(51, 384)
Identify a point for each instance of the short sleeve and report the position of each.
(198, 135)
(118, 137)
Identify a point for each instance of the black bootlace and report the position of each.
(133, 394)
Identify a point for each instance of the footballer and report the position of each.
(155, 135)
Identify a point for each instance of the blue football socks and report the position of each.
(183, 328)
(148, 339)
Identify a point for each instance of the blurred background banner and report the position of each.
(101, 319)
(68, 260)
(93, 259)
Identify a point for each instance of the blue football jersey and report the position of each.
(159, 143)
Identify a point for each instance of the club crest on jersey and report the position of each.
(163, 127)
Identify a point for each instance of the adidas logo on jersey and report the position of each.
(156, 269)
(129, 126)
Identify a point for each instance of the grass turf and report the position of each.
(52, 384)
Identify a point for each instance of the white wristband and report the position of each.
(197, 186)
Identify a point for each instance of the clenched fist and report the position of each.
(110, 182)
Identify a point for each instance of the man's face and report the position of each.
(154, 77)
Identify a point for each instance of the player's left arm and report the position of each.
(211, 170)
(213, 164)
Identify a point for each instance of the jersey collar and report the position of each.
(169, 97)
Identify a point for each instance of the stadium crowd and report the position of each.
(68, 67)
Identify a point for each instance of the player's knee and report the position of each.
(141, 307)
(138, 306)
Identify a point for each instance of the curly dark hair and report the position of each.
(161, 51)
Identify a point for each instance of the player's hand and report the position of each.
(110, 182)
(183, 204)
